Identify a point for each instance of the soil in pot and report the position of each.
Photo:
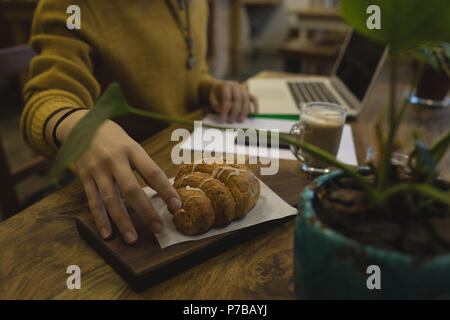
(425, 234)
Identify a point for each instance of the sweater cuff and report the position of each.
(32, 124)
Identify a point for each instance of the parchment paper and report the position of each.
(269, 207)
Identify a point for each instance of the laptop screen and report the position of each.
(359, 63)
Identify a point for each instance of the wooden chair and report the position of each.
(14, 61)
(321, 32)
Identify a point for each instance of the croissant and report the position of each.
(213, 194)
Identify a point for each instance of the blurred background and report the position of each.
(245, 37)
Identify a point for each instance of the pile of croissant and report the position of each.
(213, 194)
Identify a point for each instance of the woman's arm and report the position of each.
(61, 79)
(61, 75)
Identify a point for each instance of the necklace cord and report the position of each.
(186, 31)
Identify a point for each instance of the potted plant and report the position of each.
(393, 221)
(435, 80)
(352, 221)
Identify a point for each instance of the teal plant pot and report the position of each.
(328, 265)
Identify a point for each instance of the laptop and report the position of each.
(354, 74)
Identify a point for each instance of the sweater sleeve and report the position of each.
(61, 75)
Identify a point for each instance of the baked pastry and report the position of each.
(221, 198)
(197, 214)
(213, 194)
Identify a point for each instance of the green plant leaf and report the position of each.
(445, 58)
(383, 163)
(111, 104)
(424, 161)
(404, 23)
(436, 55)
(440, 147)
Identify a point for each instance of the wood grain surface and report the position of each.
(39, 243)
(146, 264)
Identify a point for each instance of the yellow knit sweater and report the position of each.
(136, 43)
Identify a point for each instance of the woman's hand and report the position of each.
(231, 100)
(106, 171)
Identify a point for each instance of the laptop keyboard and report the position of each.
(309, 92)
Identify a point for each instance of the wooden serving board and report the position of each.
(146, 264)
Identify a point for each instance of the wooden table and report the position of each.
(39, 243)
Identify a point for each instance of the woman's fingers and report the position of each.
(155, 177)
(215, 104)
(115, 207)
(136, 197)
(245, 105)
(96, 207)
(226, 95)
(110, 159)
(236, 102)
(255, 103)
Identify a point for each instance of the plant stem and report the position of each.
(422, 189)
(370, 192)
(385, 165)
(393, 90)
(162, 117)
